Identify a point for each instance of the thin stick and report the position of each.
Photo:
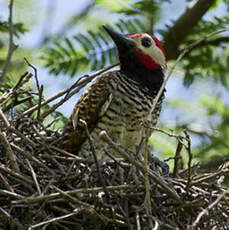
(146, 178)
(11, 219)
(39, 101)
(13, 130)
(77, 84)
(51, 220)
(95, 157)
(35, 73)
(31, 200)
(34, 177)
(32, 158)
(10, 154)
(6, 183)
(177, 159)
(15, 174)
(159, 180)
(12, 46)
(39, 88)
(7, 95)
(209, 176)
(206, 210)
(189, 159)
(70, 198)
(4, 118)
(186, 50)
(11, 194)
(178, 137)
(23, 79)
(138, 221)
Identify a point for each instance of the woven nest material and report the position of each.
(45, 187)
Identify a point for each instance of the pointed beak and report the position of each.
(120, 40)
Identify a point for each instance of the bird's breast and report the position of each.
(124, 119)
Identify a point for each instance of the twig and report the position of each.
(11, 219)
(178, 137)
(7, 95)
(12, 129)
(159, 180)
(95, 157)
(35, 73)
(180, 145)
(88, 208)
(32, 158)
(31, 200)
(11, 194)
(65, 153)
(206, 210)
(51, 220)
(22, 136)
(15, 174)
(186, 50)
(12, 46)
(16, 102)
(166, 202)
(6, 183)
(138, 221)
(39, 101)
(55, 162)
(208, 177)
(184, 25)
(34, 177)
(39, 88)
(78, 85)
(177, 159)
(146, 177)
(22, 80)
(4, 118)
(189, 159)
(11, 156)
(50, 182)
(70, 198)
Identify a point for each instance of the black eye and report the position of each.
(146, 42)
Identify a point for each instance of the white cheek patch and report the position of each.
(158, 56)
(153, 51)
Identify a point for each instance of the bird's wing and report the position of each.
(91, 106)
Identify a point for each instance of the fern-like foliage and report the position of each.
(18, 28)
(209, 59)
(95, 49)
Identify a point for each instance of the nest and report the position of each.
(44, 187)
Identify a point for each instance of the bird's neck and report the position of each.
(151, 79)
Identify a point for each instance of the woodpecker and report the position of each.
(119, 102)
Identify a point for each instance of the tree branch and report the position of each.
(12, 46)
(184, 25)
(214, 42)
(206, 210)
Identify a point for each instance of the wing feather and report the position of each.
(91, 107)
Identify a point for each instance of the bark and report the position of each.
(184, 25)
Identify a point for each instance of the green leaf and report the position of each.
(112, 5)
(18, 28)
(96, 49)
(216, 4)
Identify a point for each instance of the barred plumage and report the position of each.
(118, 102)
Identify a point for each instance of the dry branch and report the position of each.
(184, 25)
(58, 190)
(12, 47)
(61, 189)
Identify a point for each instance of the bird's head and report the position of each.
(138, 49)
